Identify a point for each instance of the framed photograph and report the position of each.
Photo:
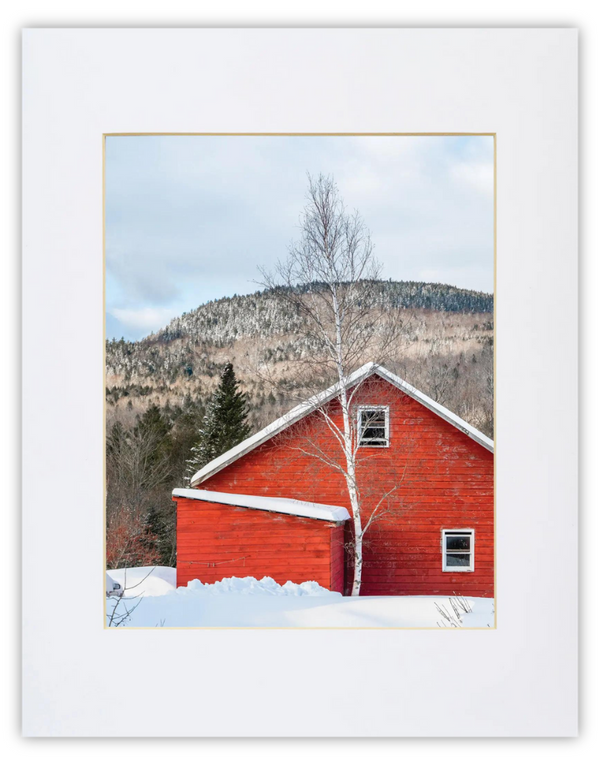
(304, 353)
(304, 418)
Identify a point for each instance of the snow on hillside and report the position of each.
(186, 347)
(247, 602)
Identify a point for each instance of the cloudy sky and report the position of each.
(190, 218)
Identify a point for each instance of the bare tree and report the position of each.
(459, 605)
(136, 471)
(440, 375)
(136, 466)
(332, 279)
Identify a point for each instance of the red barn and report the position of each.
(275, 504)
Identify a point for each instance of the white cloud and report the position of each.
(190, 219)
(478, 175)
(142, 319)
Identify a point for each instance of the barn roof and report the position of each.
(270, 504)
(308, 406)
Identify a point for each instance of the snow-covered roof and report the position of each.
(308, 406)
(270, 504)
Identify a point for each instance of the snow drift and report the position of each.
(249, 602)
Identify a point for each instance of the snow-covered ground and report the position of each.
(248, 602)
(150, 580)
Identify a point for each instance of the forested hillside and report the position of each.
(449, 332)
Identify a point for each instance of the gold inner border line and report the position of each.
(291, 135)
(495, 227)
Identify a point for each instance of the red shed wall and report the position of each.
(217, 541)
(444, 479)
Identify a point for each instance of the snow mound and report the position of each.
(248, 585)
(146, 580)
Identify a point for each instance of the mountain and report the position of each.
(447, 351)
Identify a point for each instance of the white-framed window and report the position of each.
(458, 549)
(374, 426)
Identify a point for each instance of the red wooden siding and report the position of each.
(444, 479)
(216, 541)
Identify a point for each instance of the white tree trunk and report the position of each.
(354, 498)
(358, 560)
(349, 452)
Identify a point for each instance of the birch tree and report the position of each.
(331, 278)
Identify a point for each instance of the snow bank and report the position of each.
(146, 580)
(248, 585)
(480, 615)
(248, 602)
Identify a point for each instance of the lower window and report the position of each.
(458, 550)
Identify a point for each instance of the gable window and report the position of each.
(458, 550)
(374, 426)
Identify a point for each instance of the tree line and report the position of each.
(163, 449)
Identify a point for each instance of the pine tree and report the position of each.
(188, 424)
(115, 440)
(153, 426)
(225, 422)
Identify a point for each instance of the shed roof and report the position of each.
(270, 504)
(314, 402)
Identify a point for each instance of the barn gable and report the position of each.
(309, 406)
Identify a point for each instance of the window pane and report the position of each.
(373, 427)
(458, 542)
(373, 416)
(370, 432)
(458, 559)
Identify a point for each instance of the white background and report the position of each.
(519, 680)
(533, 400)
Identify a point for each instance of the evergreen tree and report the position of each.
(153, 426)
(187, 425)
(115, 440)
(225, 422)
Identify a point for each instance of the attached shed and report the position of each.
(221, 535)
